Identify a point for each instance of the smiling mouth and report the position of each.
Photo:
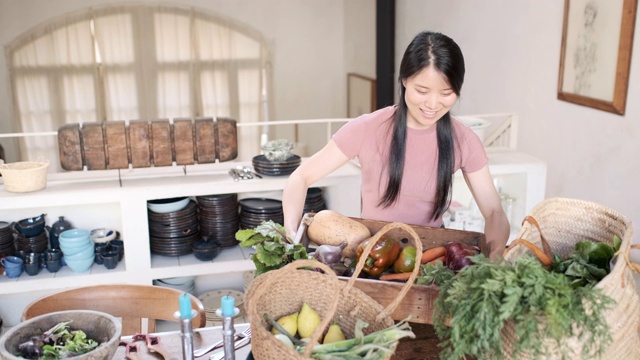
(429, 113)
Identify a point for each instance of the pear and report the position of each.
(289, 323)
(334, 334)
(308, 321)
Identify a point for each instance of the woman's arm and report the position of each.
(496, 227)
(321, 164)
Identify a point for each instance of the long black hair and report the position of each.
(441, 52)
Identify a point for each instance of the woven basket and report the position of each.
(564, 222)
(282, 292)
(25, 176)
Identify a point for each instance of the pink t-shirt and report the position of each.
(368, 138)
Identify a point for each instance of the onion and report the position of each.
(329, 254)
(457, 255)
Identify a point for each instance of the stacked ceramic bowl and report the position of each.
(77, 249)
(31, 235)
(182, 283)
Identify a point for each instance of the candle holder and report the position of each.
(186, 334)
(228, 333)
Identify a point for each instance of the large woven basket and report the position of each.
(283, 291)
(564, 222)
(24, 176)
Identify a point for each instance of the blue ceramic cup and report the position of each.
(12, 266)
(10, 262)
(53, 265)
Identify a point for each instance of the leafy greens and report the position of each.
(486, 296)
(273, 248)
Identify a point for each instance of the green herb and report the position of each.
(434, 274)
(273, 248)
(541, 304)
(588, 263)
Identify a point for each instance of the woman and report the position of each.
(409, 152)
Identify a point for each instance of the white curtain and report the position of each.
(136, 62)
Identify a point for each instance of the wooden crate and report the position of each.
(419, 301)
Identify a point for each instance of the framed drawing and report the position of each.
(361, 95)
(597, 36)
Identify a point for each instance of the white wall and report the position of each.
(512, 54)
(307, 41)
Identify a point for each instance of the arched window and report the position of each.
(136, 62)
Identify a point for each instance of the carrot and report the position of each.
(441, 258)
(432, 254)
(544, 259)
(395, 276)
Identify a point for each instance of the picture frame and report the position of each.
(361, 95)
(595, 56)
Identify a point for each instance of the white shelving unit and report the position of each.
(118, 200)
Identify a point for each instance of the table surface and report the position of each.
(423, 347)
(171, 343)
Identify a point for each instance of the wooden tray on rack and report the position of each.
(419, 301)
(142, 143)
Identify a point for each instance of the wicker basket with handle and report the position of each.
(564, 222)
(283, 291)
(24, 176)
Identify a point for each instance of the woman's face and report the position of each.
(428, 96)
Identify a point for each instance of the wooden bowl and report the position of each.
(102, 327)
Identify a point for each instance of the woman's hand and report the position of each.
(321, 164)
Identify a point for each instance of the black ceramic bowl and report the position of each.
(30, 227)
(205, 250)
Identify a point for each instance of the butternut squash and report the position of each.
(332, 228)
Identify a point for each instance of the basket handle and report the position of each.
(365, 253)
(294, 266)
(546, 249)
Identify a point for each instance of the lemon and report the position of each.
(334, 334)
(289, 323)
(308, 321)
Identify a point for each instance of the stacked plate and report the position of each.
(218, 218)
(183, 283)
(38, 243)
(314, 201)
(211, 301)
(253, 211)
(6, 239)
(275, 168)
(172, 233)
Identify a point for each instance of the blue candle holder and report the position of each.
(228, 332)
(186, 333)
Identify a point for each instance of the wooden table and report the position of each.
(423, 347)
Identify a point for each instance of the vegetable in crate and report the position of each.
(273, 248)
(382, 256)
(406, 261)
(328, 227)
(458, 255)
(473, 308)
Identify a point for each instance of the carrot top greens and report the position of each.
(540, 304)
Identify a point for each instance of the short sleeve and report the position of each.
(473, 155)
